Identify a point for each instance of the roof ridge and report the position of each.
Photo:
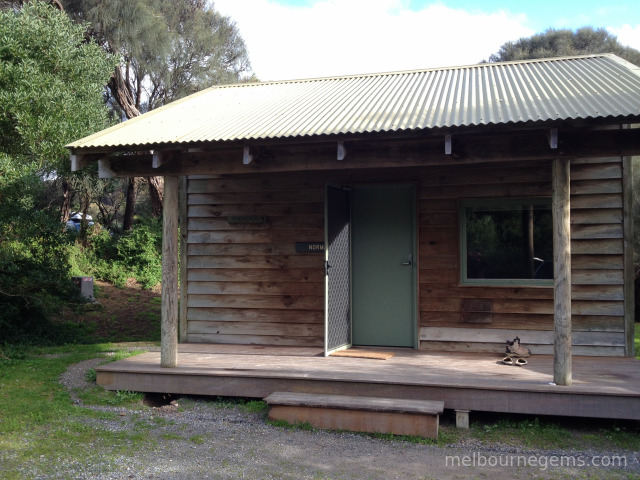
(412, 71)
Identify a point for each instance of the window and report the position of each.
(507, 241)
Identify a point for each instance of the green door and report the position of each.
(383, 266)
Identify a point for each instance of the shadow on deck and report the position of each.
(603, 387)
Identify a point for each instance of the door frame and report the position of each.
(415, 308)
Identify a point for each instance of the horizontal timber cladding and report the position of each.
(482, 318)
(247, 285)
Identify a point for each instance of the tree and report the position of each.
(51, 92)
(205, 49)
(560, 43)
(17, 4)
(51, 86)
(168, 50)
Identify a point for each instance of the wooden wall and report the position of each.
(449, 315)
(245, 283)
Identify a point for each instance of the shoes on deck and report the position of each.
(516, 353)
(514, 348)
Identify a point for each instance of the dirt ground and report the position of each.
(131, 313)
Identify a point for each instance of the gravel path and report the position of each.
(201, 440)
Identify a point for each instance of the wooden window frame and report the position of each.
(496, 203)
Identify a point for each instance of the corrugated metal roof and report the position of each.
(571, 88)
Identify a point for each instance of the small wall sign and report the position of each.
(249, 219)
(309, 247)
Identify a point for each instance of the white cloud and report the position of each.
(341, 37)
(627, 35)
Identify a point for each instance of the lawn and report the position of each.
(34, 405)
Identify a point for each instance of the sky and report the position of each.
(293, 39)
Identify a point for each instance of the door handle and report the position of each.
(409, 261)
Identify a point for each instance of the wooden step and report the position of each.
(358, 414)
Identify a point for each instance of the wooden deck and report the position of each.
(603, 387)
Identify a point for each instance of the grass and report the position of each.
(546, 433)
(292, 426)
(248, 405)
(40, 425)
(35, 406)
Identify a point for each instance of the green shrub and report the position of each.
(114, 258)
(141, 250)
(34, 263)
(51, 92)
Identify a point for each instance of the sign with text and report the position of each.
(309, 247)
(247, 219)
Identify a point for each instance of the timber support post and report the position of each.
(561, 208)
(182, 316)
(629, 270)
(169, 316)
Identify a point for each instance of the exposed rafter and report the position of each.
(374, 153)
(447, 144)
(342, 151)
(247, 155)
(552, 135)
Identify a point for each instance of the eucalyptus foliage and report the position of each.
(167, 49)
(565, 42)
(51, 92)
(51, 85)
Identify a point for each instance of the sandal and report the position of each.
(507, 360)
(521, 362)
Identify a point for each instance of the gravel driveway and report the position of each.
(201, 440)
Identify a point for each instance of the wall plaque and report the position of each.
(252, 219)
(309, 247)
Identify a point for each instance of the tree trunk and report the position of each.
(57, 4)
(66, 201)
(84, 223)
(121, 91)
(156, 192)
(122, 94)
(132, 191)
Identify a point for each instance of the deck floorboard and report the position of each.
(604, 387)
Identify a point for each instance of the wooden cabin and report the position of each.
(438, 210)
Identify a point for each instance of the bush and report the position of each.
(51, 92)
(115, 258)
(141, 249)
(34, 268)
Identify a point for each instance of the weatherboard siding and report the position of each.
(245, 283)
(446, 324)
